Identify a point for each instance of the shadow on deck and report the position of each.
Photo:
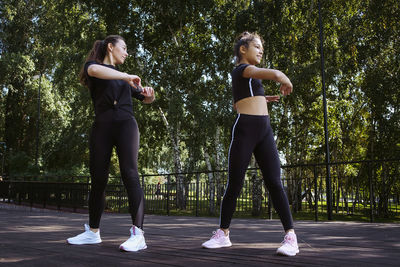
(37, 238)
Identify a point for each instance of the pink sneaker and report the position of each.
(218, 240)
(289, 245)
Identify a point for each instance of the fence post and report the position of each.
(269, 207)
(31, 194)
(316, 193)
(45, 196)
(197, 194)
(119, 197)
(19, 193)
(58, 196)
(168, 185)
(326, 130)
(371, 193)
(9, 192)
(74, 195)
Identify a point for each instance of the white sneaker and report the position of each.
(136, 242)
(218, 240)
(87, 237)
(289, 245)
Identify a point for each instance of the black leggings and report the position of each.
(254, 134)
(125, 136)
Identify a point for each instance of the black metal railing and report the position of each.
(45, 194)
(368, 189)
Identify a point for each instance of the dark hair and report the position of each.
(245, 38)
(98, 53)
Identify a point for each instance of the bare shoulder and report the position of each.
(249, 71)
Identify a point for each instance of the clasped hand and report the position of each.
(135, 81)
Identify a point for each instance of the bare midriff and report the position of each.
(254, 105)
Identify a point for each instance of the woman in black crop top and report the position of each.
(252, 133)
(114, 125)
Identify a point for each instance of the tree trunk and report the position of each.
(299, 196)
(211, 184)
(180, 189)
(383, 208)
(218, 163)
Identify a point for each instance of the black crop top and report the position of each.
(245, 87)
(112, 99)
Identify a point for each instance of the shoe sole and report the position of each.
(226, 246)
(82, 243)
(71, 243)
(125, 250)
(286, 254)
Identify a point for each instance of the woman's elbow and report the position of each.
(93, 70)
(278, 75)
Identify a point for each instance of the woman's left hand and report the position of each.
(148, 92)
(272, 98)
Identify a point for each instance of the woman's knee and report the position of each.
(274, 184)
(131, 180)
(233, 191)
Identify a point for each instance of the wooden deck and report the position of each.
(37, 238)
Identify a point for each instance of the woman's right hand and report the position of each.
(286, 87)
(133, 80)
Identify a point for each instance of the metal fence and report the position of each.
(367, 189)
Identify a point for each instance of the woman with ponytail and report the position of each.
(114, 125)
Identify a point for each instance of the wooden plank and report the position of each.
(37, 238)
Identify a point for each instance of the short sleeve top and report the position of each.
(245, 87)
(112, 99)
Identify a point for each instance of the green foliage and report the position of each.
(184, 50)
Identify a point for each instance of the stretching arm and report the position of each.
(269, 74)
(105, 73)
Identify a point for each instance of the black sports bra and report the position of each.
(245, 87)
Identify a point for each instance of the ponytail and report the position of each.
(98, 53)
